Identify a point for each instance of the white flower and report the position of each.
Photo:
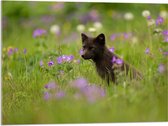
(80, 28)
(10, 75)
(128, 16)
(145, 13)
(134, 40)
(164, 14)
(151, 22)
(98, 25)
(124, 84)
(91, 29)
(55, 29)
(157, 30)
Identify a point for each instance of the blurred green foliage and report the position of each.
(19, 9)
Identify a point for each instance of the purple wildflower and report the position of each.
(147, 50)
(51, 85)
(149, 17)
(166, 39)
(47, 95)
(111, 49)
(165, 53)
(50, 63)
(165, 32)
(127, 35)
(69, 58)
(10, 51)
(65, 58)
(79, 83)
(113, 59)
(39, 32)
(24, 50)
(60, 94)
(59, 60)
(15, 50)
(93, 93)
(94, 15)
(161, 68)
(119, 61)
(165, 35)
(81, 52)
(113, 37)
(159, 20)
(78, 61)
(41, 63)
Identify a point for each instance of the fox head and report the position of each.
(92, 47)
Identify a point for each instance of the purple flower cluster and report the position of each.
(39, 33)
(81, 52)
(41, 63)
(50, 63)
(159, 20)
(60, 94)
(117, 60)
(165, 53)
(121, 36)
(161, 68)
(149, 18)
(147, 50)
(111, 49)
(53, 91)
(92, 15)
(79, 83)
(51, 85)
(47, 95)
(113, 37)
(24, 50)
(11, 51)
(165, 35)
(91, 93)
(65, 58)
(82, 90)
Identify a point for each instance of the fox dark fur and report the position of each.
(95, 49)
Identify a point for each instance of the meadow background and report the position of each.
(44, 79)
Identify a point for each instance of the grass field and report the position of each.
(45, 80)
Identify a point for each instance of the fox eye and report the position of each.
(84, 47)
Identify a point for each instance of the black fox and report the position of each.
(95, 49)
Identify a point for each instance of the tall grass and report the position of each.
(23, 80)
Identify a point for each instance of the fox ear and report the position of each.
(100, 39)
(84, 37)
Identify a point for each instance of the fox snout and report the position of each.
(86, 55)
(83, 56)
